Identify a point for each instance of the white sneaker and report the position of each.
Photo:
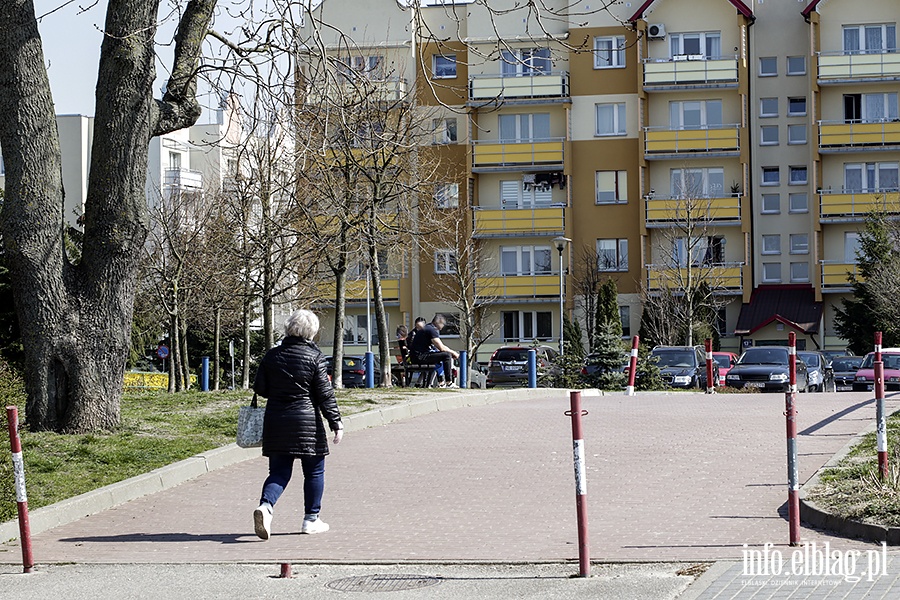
(262, 520)
(317, 526)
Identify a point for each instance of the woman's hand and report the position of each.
(339, 434)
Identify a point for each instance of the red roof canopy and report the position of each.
(740, 6)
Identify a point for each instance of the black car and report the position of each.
(766, 368)
(681, 366)
(509, 364)
(353, 373)
(844, 369)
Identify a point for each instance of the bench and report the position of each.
(408, 370)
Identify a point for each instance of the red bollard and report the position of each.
(878, 346)
(710, 379)
(12, 419)
(790, 414)
(286, 571)
(880, 422)
(584, 553)
(632, 366)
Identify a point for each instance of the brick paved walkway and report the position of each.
(684, 477)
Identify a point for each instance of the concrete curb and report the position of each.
(814, 515)
(163, 478)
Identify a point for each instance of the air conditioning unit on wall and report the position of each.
(656, 31)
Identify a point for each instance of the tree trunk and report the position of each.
(384, 350)
(245, 356)
(217, 342)
(185, 358)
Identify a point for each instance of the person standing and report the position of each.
(293, 378)
(428, 337)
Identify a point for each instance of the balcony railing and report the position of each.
(356, 288)
(835, 67)
(690, 71)
(663, 210)
(510, 87)
(720, 277)
(834, 275)
(837, 135)
(379, 90)
(517, 286)
(852, 205)
(183, 179)
(686, 142)
(493, 153)
(519, 221)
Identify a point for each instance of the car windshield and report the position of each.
(891, 361)
(810, 358)
(764, 356)
(846, 364)
(722, 360)
(674, 358)
(517, 355)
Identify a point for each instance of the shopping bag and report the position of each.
(250, 425)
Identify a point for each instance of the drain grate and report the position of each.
(382, 583)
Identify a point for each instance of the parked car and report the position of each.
(844, 370)
(817, 370)
(353, 373)
(865, 376)
(830, 355)
(724, 362)
(592, 368)
(681, 366)
(766, 368)
(509, 364)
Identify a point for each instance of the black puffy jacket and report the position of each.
(292, 376)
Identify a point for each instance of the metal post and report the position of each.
(881, 424)
(370, 369)
(12, 421)
(584, 553)
(532, 368)
(286, 571)
(711, 381)
(790, 413)
(562, 307)
(231, 353)
(632, 366)
(463, 369)
(204, 374)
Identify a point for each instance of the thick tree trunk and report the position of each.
(384, 351)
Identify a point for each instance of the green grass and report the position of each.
(853, 489)
(156, 429)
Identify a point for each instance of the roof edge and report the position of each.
(738, 4)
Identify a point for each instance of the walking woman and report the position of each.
(293, 378)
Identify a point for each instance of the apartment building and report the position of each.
(741, 142)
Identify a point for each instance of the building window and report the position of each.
(768, 66)
(703, 251)
(513, 194)
(797, 176)
(625, 318)
(704, 44)
(444, 262)
(799, 203)
(870, 39)
(771, 244)
(698, 183)
(443, 131)
(796, 107)
(446, 195)
(174, 160)
(522, 326)
(796, 134)
(612, 187)
(612, 255)
(529, 61)
(771, 273)
(770, 176)
(356, 332)
(771, 204)
(768, 135)
(525, 260)
(871, 177)
(695, 114)
(799, 272)
(851, 247)
(444, 66)
(525, 127)
(609, 52)
(451, 326)
(870, 108)
(768, 107)
(799, 243)
(796, 65)
(610, 119)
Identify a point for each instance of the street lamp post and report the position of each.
(560, 243)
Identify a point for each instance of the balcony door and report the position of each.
(871, 177)
(695, 114)
(525, 260)
(530, 127)
(514, 195)
(698, 183)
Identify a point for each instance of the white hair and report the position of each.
(302, 323)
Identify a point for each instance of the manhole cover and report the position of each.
(382, 583)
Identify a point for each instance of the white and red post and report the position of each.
(711, 380)
(632, 366)
(790, 414)
(584, 553)
(880, 418)
(12, 419)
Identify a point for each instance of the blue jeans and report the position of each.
(281, 466)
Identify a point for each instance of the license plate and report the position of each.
(511, 368)
(844, 388)
(755, 384)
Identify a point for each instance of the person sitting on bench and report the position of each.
(429, 336)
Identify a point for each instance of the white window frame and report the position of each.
(443, 132)
(767, 276)
(792, 113)
(618, 190)
(613, 49)
(435, 66)
(705, 39)
(681, 187)
(620, 245)
(771, 244)
(792, 72)
(677, 111)
(701, 249)
(446, 194)
(796, 170)
(800, 277)
(513, 195)
(796, 196)
(871, 175)
(526, 260)
(770, 211)
(355, 325)
(620, 123)
(851, 246)
(521, 62)
(768, 60)
(888, 38)
(766, 170)
(523, 320)
(444, 262)
(799, 243)
(768, 129)
(794, 134)
(767, 112)
(525, 125)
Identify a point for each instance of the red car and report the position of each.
(724, 361)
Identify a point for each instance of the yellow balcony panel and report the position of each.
(834, 275)
(489, 87)
(493, 153)
(726, 277)
(356, 288)
(835, 135)
(517, 286)
(675, 210)
(690, 71)
(498, 221)
(856, 205)
(687, 141)
(834, 67)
